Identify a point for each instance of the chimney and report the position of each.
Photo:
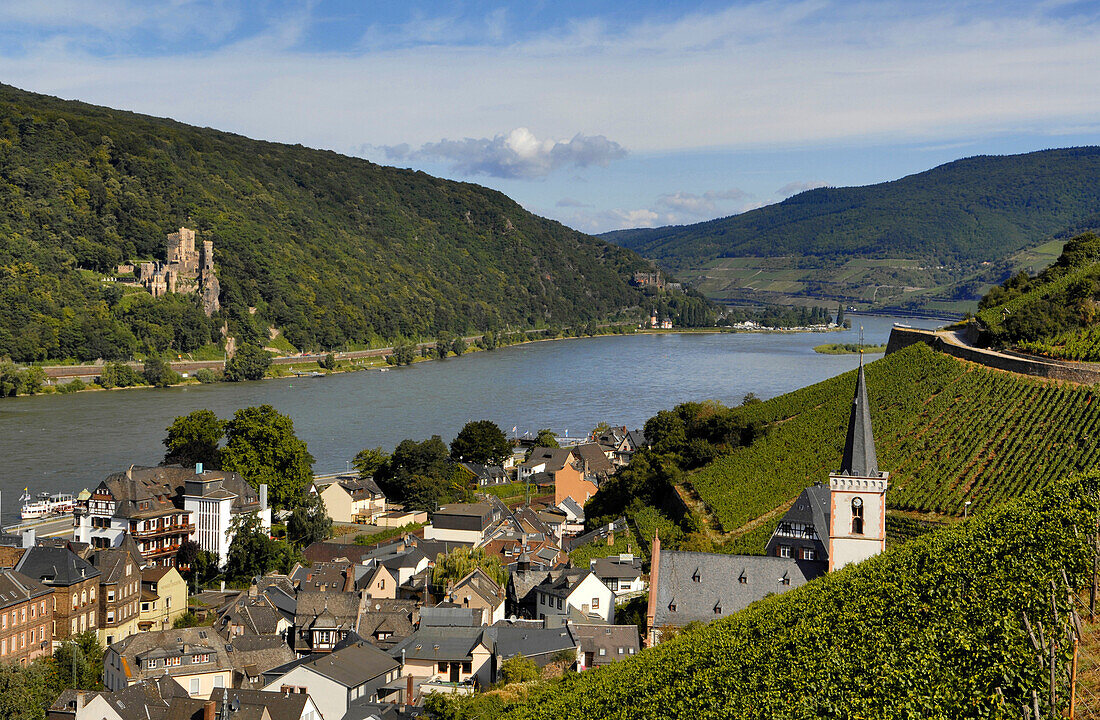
(208, 710)
(79, 702)
(198, 468)
(611, 538)
(28, 538)
(409, 690)
(263, 496)
(654, 569)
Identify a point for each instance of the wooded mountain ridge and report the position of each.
(332, 250)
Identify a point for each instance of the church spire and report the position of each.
(859, 446)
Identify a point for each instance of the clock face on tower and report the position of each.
(858, 502)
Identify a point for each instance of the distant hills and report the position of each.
(918, 240)
(334, 251)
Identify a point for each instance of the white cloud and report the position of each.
(705, 204)
(519, 154)
(571, 202)
(793, 188)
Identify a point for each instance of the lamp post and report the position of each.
(966, 509)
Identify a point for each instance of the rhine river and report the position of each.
(68, 442)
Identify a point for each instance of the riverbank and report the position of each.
(849, 349)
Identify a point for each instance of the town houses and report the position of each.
(360, 629)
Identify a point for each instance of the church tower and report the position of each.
(857, 507)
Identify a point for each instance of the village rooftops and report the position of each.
(606, 643)
(190, 651)
(464, 516)
(56, 566)
(593, 458)
(15, 588)
(148, 699)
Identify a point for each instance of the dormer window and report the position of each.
(672, 605)
(742, 578)
(718, 608)
(697, 576)
(857, 516)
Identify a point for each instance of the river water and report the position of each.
(68, 442)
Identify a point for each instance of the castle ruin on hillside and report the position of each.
(185, 270)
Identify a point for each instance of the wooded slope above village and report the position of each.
(330, 249)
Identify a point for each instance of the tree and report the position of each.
(458, 345)
(368, 460)
(489, 340)
(403, 354)
(421, 476)
(262, 447)
(249, 363)
(309, 522)
(546, 438)
(158, 373)
(25, 691)
(481, 441)
(117, 374)
(252, 552)
(328, 362)
(188, 619)
(193, 439)
(517, 669)
(442, 345)
(462, 561)
(79, 663)
(33, 380)
(197, 566)
(840, 314)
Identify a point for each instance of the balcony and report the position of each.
(184, 529)
(155, 553)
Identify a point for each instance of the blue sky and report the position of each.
(599, 114)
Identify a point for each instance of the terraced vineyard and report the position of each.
(947, 431)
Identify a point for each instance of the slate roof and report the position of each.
(439, 643)
(554, 458)
(351, 665)
(171, 643)
(15, 588)
(609, 637)
(859, 458)
(280, 706)
(55, 566)
(447, 616)
(395, 617)
(340, 608)
(331, 575)
(611, 567)
(529, 642)
(149, 699)
(479, 582)
(694, 586)
(253, 655)
(811, 508)
(562, 583)
(257, 615)
(597, 534)
(572, 508)
(112, 562)
(593, 458)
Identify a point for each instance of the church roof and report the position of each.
(860, 459)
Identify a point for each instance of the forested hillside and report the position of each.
(930, 629)
(978, 208)
(1053, 313)
(330, 249)
(934, 241)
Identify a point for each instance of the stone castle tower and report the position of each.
(185, 270)
(857, 512)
